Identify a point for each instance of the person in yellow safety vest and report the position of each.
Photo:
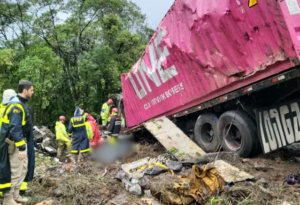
(7, 95)
(62, 138)
(105, 111)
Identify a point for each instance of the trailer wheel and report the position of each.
(242, 136)
(206, 132)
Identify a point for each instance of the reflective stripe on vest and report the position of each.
(5, 116)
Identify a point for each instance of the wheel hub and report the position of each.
(207, 133)
(234, 138)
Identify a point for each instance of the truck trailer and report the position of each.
(227, 72)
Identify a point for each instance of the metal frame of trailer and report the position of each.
(265, 83)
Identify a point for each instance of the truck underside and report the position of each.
(234, 122)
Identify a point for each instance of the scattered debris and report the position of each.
(174, 165)
(267, 191)
(202, 160)
(147, 165)
(256, 165)
(201, 184)
(262, 181)
(105, 172)
(231, 173)
(292, 179)
(44, 140)
(136, 190)
(57, 192)
(153, 169)
(173, 139)
(52, 168)
(89, 183)
(144, 182)
(133, 188)
(150, 201)
(148, 193)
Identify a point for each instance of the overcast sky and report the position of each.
(155, 10)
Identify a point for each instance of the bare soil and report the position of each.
(84, 184)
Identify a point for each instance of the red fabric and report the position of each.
(96, 140)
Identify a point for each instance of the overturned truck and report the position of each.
(227, 72)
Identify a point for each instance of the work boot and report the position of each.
(59, 152)
(85, 156)
(18, 198)
(73, 159)
(69, 151)
(9, 199)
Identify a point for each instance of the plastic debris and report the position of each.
(174, 165)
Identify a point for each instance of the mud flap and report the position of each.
(173, 139)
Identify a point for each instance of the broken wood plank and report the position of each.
(173, 139)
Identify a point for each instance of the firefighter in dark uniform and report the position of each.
(16, 146)
(77, 129)
(114, 125)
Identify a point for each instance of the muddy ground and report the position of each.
(85, 184)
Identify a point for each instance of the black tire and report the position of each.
(206, 132)
(242, 137)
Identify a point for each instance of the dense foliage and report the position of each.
(72, 50)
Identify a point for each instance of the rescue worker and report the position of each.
(16, 146)
(7, 95)
(108, 121)
(115, 125)
(80, 132)
(62, 138)
(105, 112)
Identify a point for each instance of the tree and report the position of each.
(7, 69)
(74, 61)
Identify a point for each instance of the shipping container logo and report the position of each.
(252, 3)
(155, 73)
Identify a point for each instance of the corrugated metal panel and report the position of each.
(203, 47)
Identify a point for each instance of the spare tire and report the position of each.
(206, 132)
(242, 137)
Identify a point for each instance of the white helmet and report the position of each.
(7, 95)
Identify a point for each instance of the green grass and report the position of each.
(172, 150)
(181, 154)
